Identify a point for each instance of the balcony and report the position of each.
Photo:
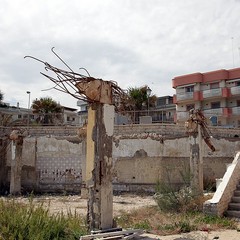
(213, 112)
(235, 90)
(217, 92)
(236, 111)
(185, 96)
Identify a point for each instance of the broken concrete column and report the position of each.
(196, 163)
(99, 166)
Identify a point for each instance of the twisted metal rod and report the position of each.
(67, 81)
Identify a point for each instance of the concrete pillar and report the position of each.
(196, 163)
(99, 166)
(16, 166)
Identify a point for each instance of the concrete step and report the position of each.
(236, 193)
(235, 199)
(232, 213)
(234, 206)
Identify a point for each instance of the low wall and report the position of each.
(142, 155)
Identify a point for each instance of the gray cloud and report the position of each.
(134, 42)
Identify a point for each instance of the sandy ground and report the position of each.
(75, 203)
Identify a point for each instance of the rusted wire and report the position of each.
(68, 82)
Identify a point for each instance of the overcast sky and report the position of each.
(133, 42)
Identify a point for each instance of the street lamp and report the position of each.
(148, 91)
(29, 93)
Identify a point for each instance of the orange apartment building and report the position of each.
(217, 93)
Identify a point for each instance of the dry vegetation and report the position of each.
(130, 211)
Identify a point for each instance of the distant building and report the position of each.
(23, 116)
(165, 110)
(70, 116)
(217, 93)
(83, 113)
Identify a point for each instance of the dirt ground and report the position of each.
(75, 203)
(126, 203)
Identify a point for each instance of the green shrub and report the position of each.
(168, 199)
(219, 221)
(28, 222)
(143, 225)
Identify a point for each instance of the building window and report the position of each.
(238, 83)
(214, 85)
(19, 116)
(238, 103)
(161, 101)
(215, 105)
(68, 118)
(189, 107)
(189, 89)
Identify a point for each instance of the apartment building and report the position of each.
(217, 93)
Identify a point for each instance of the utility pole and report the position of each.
(28, 120)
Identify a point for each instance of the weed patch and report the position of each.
(29, 221)
(160, 222)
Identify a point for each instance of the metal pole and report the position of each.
(148, 105)
(29, 93)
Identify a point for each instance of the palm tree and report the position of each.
(1, 99)
(1, 96)
(48, 110)
(137, 98)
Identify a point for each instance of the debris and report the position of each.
(108, 234)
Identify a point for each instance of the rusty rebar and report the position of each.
(69, 81)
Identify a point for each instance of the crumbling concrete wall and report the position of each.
(58, 164)
(142, 155)
(50, 164)
(144, 158)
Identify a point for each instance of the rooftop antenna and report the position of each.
(233, 53)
